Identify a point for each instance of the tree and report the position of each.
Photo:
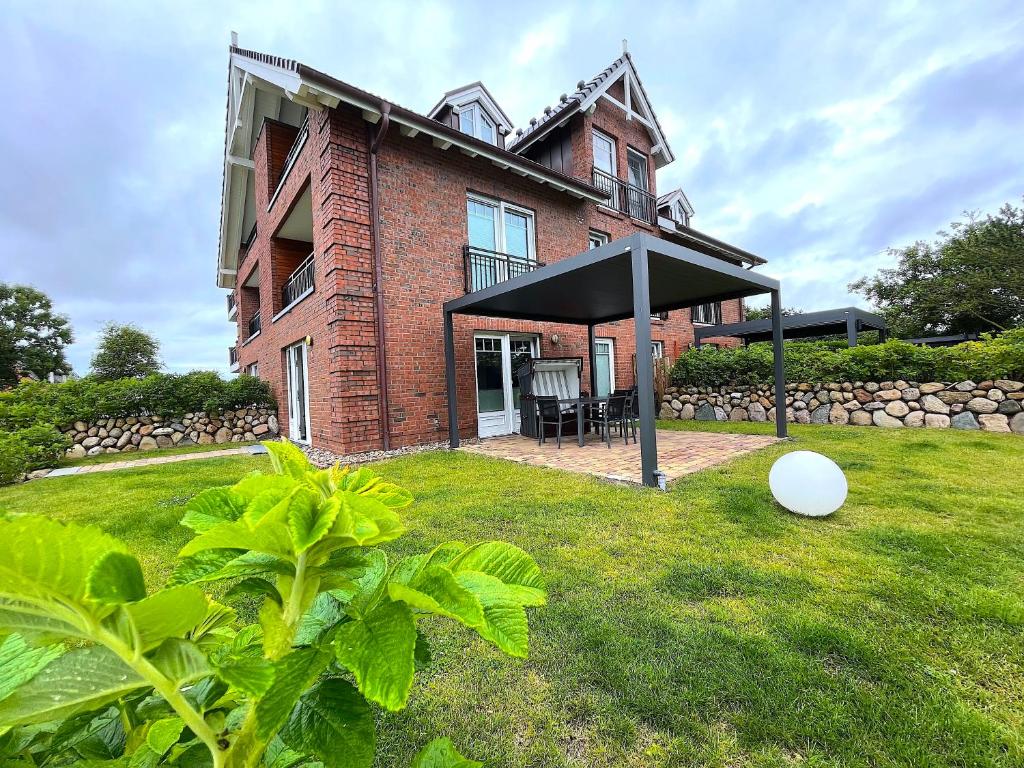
(32, 336)
(125, 352)
(765, 313)
(970, 279)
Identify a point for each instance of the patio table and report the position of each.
(580, 402)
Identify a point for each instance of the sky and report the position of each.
(815, 135)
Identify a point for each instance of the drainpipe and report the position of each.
(376, 138)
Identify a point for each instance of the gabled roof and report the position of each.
(585, 97)
(475, 91)
(673, 197)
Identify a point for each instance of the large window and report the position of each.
(706, 314)
(604, 153)
(474, 121)
(637, 169)
(501, 241)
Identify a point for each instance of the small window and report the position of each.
(474, 121)
(706, 314)
(253, 370)
(596, 239)
(681, 216)
(604, 153)
(637, 169)
(657, 349)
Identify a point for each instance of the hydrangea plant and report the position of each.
(97, 669)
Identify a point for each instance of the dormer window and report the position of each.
(474, 121)
(682, 217)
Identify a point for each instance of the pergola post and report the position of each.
(780, 366)
(851, 330)
(644, 362)
(449, 377)
(592, 352)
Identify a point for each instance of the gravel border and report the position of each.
(323, 458)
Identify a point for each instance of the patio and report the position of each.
(679, 453)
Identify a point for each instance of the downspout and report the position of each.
(375, 140)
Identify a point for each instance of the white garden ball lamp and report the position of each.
(808, 483)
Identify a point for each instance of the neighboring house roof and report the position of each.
(707, 244)
(251, 71)
(475, 91)
(585, 97)
(673, 197)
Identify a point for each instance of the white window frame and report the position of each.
(479, 114)
(501, 206)
(684, 217)
(289, 378)
(253, 369)
(596, 239)
(596, 134)
(657, 349)
(630, 154)
(611, 360)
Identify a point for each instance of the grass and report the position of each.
(105, 458)
(703, 626)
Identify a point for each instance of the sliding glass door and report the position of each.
(498, 356)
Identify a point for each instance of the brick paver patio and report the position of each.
(679, 453)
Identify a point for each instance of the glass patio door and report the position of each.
(498, 356)
(298, 393)
(604, 366)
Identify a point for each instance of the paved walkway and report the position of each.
(679, 453)
(111, 466)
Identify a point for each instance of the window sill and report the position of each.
(289, 308)
(251, 338)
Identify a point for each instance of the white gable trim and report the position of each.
(466, 96)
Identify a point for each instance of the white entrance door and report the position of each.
(604, 366)
(298, 393)
(498, 356)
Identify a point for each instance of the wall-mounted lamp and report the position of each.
(308, 341)
(555, 339)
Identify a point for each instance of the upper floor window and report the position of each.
(637, 169)
(500, 227)
(596, 239)
(475, 122)
(682, 217)
(604, 153)
(706, 314)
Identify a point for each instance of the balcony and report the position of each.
(232, 306)
(627, 198)
(289, 161)
(485, 268)
(254, 325)
(299, 283)
(233, 358)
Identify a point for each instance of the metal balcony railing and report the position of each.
(299, 283)
(630, 199)
(485, 268)
(254, 324)
(232, 306)
(233, 357)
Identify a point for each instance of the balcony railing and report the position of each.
(638, 203)
(254, 324)
(486, 268)
(233, 357)
(232, 306)
(299, 283)
(293, 153)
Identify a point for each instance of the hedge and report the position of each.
(991, 358)
(161, 394)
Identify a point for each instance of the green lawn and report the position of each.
(704, 626)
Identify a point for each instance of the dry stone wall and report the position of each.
(151, 433)
(992, 406)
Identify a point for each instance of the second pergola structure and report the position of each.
(633, 277)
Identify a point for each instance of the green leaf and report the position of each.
(323, 615)
(98, 737)
(19, 662)
(310, 518)
(40, 557)
(170, 612)
(252, 676)
(116, 579)
(287, 459)
(508, 563)
(27, 621)
(435, 590)
(504, 618)
(258, 484)
(205, 694)
(164, 734)
(81, 680)
(333, 722)
(180, 661)
(441, 753)
(256, 587)
(379, 651)
(370, 586)
(212, 507)
(293, 674)
(188, 570)
(273, 539)
(280, 755)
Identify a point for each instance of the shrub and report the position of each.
(173, 677)
(992, 357)
(33, 447)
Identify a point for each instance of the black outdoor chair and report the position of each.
(612, 412)
(550, 412)
(632, 413)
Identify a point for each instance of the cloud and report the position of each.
(813, 135)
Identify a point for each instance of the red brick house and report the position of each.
(347, 221)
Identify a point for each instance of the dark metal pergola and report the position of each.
(848, 320)
(631, 277)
